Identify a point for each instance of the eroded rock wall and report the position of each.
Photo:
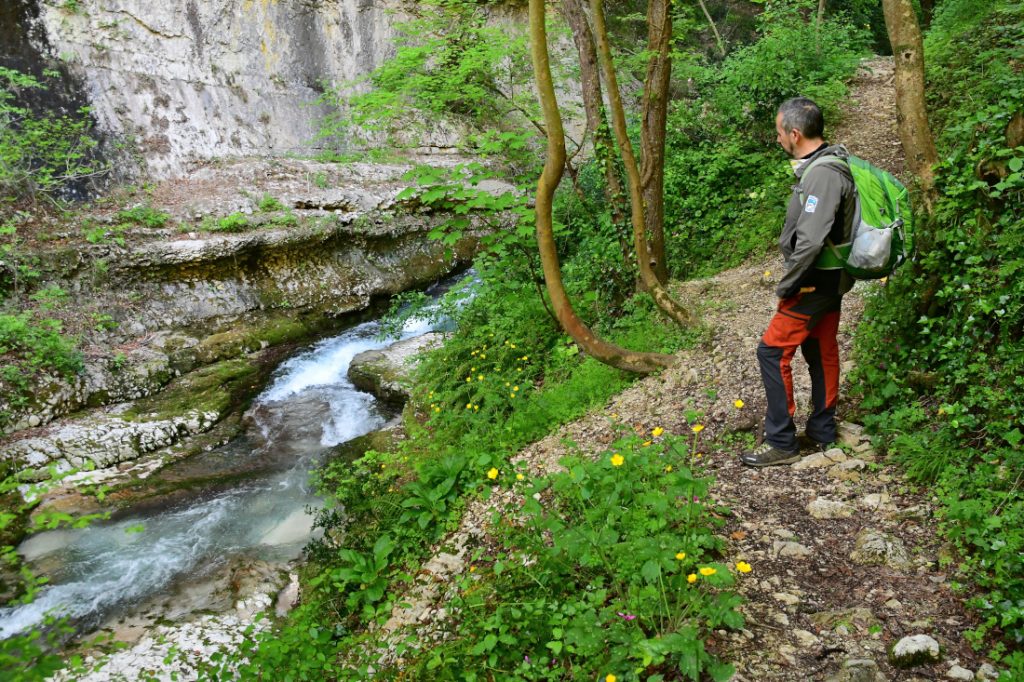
(187, 80)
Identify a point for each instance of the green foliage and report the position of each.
(725, 178)
(147, 216)
(17, 268)
(28, 347)
(453, 65)
(270, 203)
(593, 579)
(234, 222)
(941, 353)
(41, 153)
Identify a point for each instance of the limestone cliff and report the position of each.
(188, 80)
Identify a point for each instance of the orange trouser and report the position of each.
(809, 321)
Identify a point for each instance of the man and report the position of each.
(821, 209)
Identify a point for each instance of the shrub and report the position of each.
(941, 353)
(40, 154)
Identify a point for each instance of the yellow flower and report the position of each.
(610, 678)
(692, 578)
(476, 408)
(707, 570)
(469, 379)
(657, 431)
(680, 555)
(492, 474)
(511, 395)
(668, 469)
(437, 409)
(469, 406)
(483, 356)
(697, 428)
(743, 567)
(479, 377)
(738, 403)
(767, 274)
(617, 460)
(520, 477)
(645, 443)
(508, 383)
(472, 569)
(515, 388)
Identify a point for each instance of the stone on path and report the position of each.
(793, 550)
(858, 616)
(824, 508)
(848, 470)
(821, 459)
(958, 673)
(915, 650)
(858, 670)
(987, 672)
(875, 548)
(805, 639)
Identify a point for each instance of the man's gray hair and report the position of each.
(800, 113)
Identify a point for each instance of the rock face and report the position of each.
(198, 80)
(385, 373)
(193, 80)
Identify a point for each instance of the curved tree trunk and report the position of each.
(911, 113)
(647, 276)
(549, 179)
(652, 136)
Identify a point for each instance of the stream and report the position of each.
(110, 567)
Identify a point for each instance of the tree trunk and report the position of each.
(911, 113)
(549, 180)
(714, 29)
(647, 276)
(652, 135)
(597, 124)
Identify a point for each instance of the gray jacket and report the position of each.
(822, 205)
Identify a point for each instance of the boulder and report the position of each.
(386, 372)
(915, 650)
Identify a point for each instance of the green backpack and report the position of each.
(881, 220)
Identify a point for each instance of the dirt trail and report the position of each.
(845, 561)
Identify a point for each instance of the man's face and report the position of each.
(787, 140)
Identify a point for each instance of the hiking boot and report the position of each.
(766, 455)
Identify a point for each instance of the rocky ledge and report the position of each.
(386, 373)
